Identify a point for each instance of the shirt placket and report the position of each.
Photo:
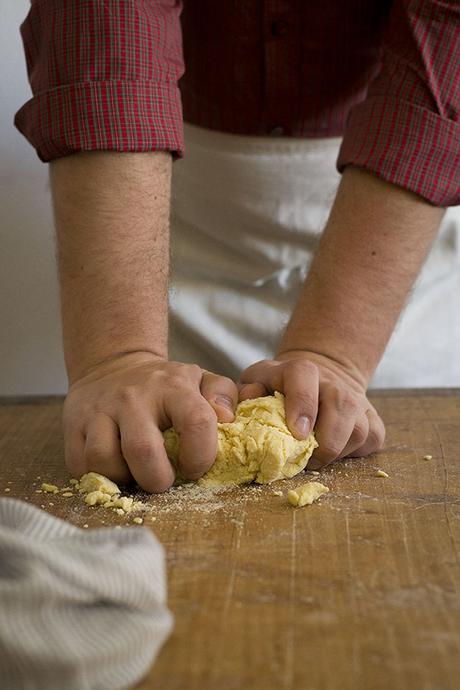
(282, 33)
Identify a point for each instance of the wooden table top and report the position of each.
(357, 592)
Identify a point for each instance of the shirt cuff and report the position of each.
(104, 115)
(407, 145)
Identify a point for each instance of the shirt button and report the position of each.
(276, 131)
(279, 28)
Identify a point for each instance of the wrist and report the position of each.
(102, 365)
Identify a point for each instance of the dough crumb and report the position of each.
(96, 498)
(124, 502)
(305, 494)
(92, 481)
(50, 488)
(85, 526)
(277, 493)
(138, 520)
(381, 473)
(7, 490)
(96, 490)
(428, 457)
(314, 473)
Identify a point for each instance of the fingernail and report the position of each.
(303, 425)
(224, 401)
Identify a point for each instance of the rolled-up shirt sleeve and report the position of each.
(407, 130)
(104, 76)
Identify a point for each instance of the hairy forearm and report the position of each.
(112, 231)
(372, 249)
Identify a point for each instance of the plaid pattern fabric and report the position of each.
(105, 75)
(408, 128)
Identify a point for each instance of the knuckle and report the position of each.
(176, 380)
(376, 438)
(182, 371)
(360, 434)
(194, 369)
(99, 407)
(306, 401)
(140, 448)
(345, 402)
(128, 394)
(200, 419)
(195, 470)
(328, 451)
(96, 453)
(157, 375)
(226, 382)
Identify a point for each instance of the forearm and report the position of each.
(372, 249)
(112, 229)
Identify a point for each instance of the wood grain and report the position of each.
(359, 591)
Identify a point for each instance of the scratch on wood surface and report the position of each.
(290, 642)
(410, 568)
(355, 576)
(446, 486)
(231, 581)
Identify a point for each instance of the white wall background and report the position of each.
(31, 360)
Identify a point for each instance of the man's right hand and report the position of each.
(115, 413)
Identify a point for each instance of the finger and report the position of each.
(375, 437)
(74, 451)
(301, 390)
(358, 436)
(102, 450)
(267, 372)
(334, 426)
(251, 390)
(196, 423)
(143, 448)
(221, 393)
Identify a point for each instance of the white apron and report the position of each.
(247, 212)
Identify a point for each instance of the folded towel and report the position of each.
(80, 610)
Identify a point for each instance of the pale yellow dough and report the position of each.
(256, 446)
(99, 490)
(92, 481)
(305, 494)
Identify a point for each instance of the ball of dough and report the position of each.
(257, 446)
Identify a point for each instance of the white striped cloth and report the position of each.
(80, 610)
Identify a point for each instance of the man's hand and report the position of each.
(114, 415)
(323, 395)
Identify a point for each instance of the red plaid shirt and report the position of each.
(386, 75)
